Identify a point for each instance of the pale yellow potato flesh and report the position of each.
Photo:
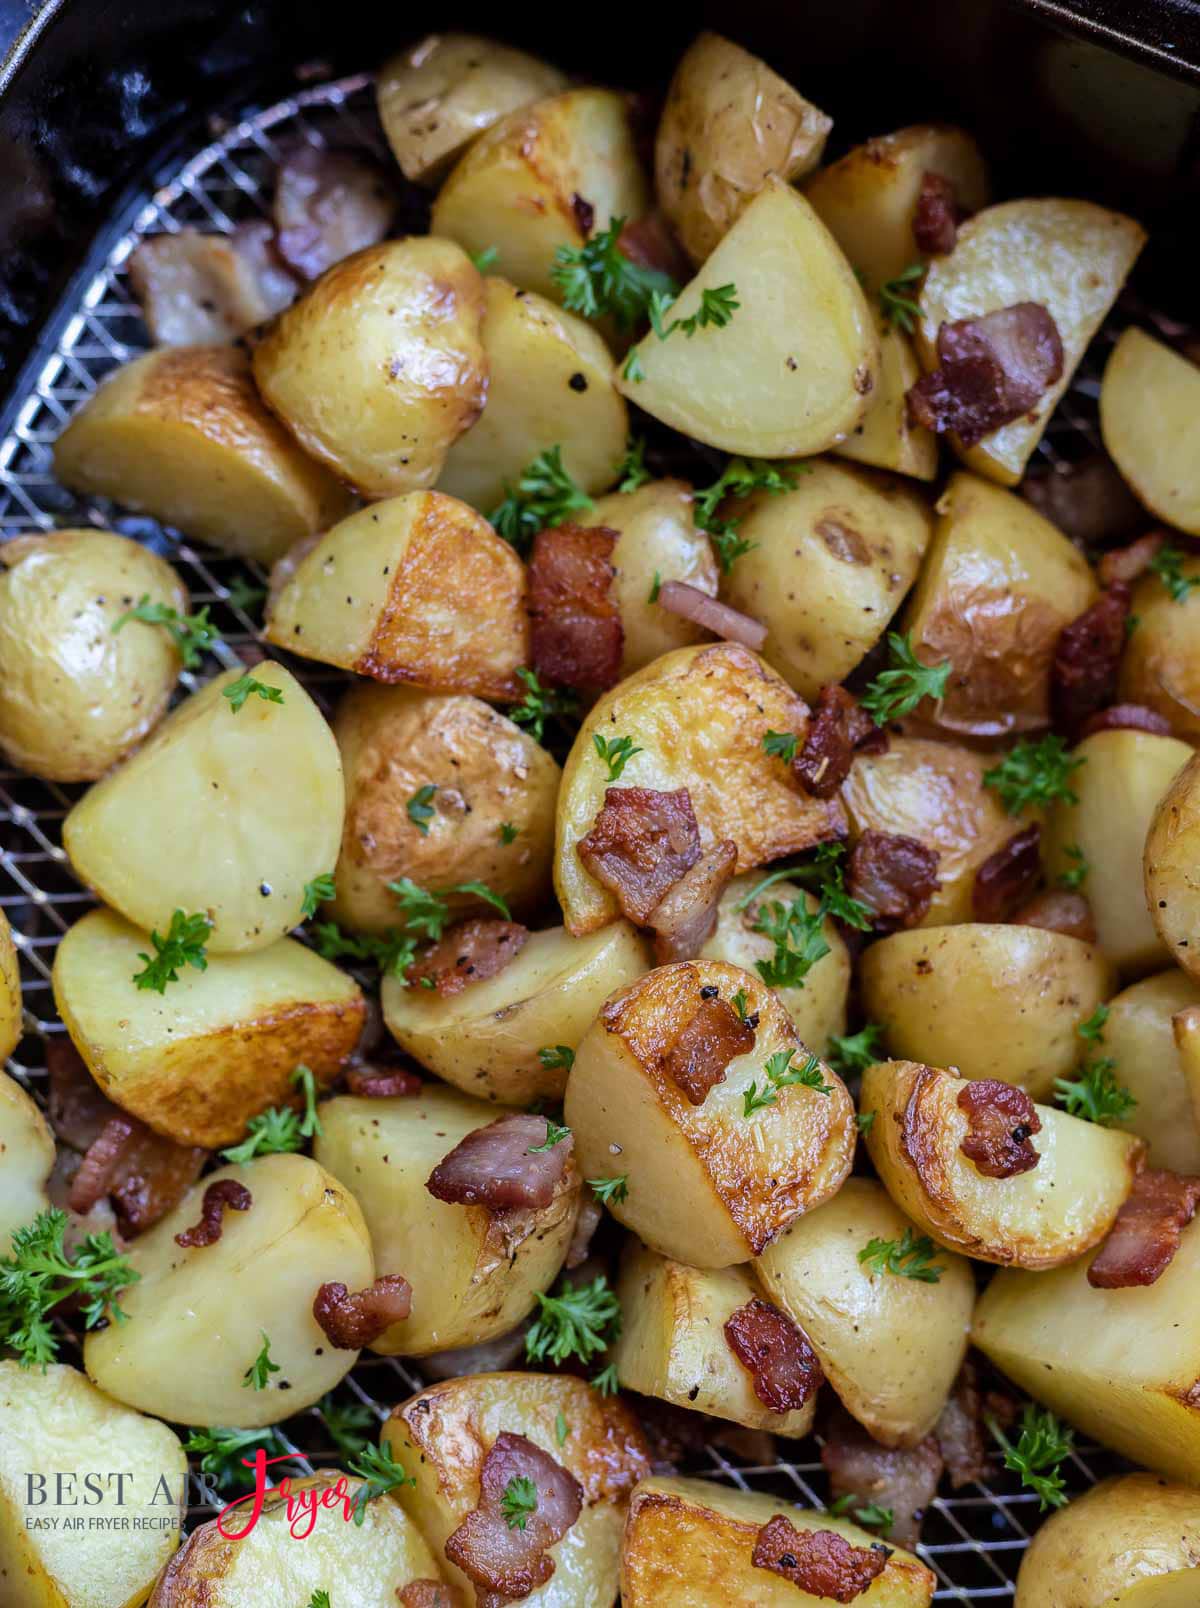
(56, 1427)
(1139, 1036)
(198, 1062)
(699, 716)
(486, 1040)
(991, 1000)
(1071, 257)
(224, 813)
(673, 1346)
(707, 1184)
(1172, 868)
(26, 1157)
(1161, 663)
(792, 372)
(474, 1272)
(887, 438)
(1038, 1219)
(1185, 1025)
(829, 565)
(181, 434)
(10, 991)
(1149, 404)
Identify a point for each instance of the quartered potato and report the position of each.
(76, 694)
(197, 1062)
(415, 589)
(708, 1184)
(197, 1317)
(1141, 1035)
(10, 991)
(443, 92)
(828, 567)
(991, 1000)
(378, 368)
(486, 1040)
(691, 1543)
(548, 175)
(26, 1157)
(699, 716)
(1172, 867)
(474, 1272)
(1149, 404)
(998, 585)
(223, 812)
(890, 1346)
(886, 437)
(673, 1345)
(1071, 257)
(56, 1432)
(1052, 1214)
(729, 123)
(792, 372)
(1161, 663)
(550, 384)
(181, 434)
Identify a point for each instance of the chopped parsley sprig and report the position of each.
(518, 1500)
(544, 495)
(541, 704)
(616, 752)
(855, 1052)
(869, 1514)
(1034, 773)
(633, 474)
(184, 945)
(1167, 564)
(1043, 1445)
(1095, 1095)
(740, 478)
(906, 682)
(598, 280)
(897, 300)
(192, 634)
(910, 1257)
(248, 686)
(39, 1272)
(1075, 877)
(221, 1452)
(581, 1321)
(258, 1375)
(610, 1191)
(317, 892)
(781, 1074)
(420, 808)
(380, 1473)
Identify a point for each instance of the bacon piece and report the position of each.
(1008, 875)
(510, 1563)
(649, 242)
(894, 876)
(821, 1562)
(469, 952)
(1058, 910)
(153, 1177)
(776, 1353)
(684, 919)
(328, 204)
(79, 1110)
(1127, 717)
(1142, 1242)
(225, 1192)
(903, 1479)
(1089, 502)
(935, 224)
(1087, 657)
(206, 289)
(382, 1082)
(428, 1594)
(1000, 1120)
(839, 729)
(496, 1166)
(991, 370)
(639, 846)
(959, 1431)
(576, 634)
(1125, 565)
(353, 1321)
(697, 1057)
(690, 603)
(103, 1157)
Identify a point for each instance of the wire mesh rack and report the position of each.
(973, 1539)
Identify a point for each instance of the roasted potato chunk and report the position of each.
(828, 567)
(1038, 1219)
(181, 434)
(891, 1347)
(886, 437)
(709, 1184)
(1139, 1034)
(199, 1316)
(198, 1062)
(1149, 403)
(10, 991)
(1161, 663)
(1172, 853)
(379, 368)
(253, 790)
(26, 1157)
(415, 589)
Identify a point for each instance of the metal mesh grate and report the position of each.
(974, 1539)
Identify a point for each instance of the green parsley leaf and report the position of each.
(544, 495)
(740, 478)
(864, 1121)
(554, 1135)
(1044, 1443)
(632, 369)
(310, 1123)
(39, 1272)
(616, 752)
(553, 1056)
(739, 1002)
(518, 1500)
(910, 1257)
(420, 808)
(541, 704)
(606, 1381)
(1093, 1029)
(633, 472)
(394, 953)
(1095, 1095)
(244, 595)
(610, 1191)
(597, 279)
(183, 946)
(274, 1132)
(1077, 875)
(824, 876)
(655, 588)
(781, 745)
(221, 1452)
(509, 833)
(319, 1599)
(192, 634)
(1034, 773)
(246, 686)
(581, 1321)
(560, 1428)
(350, 1425)
(896, 300)
(870, 1515)
(907, 682)
(855, 1052)
(783, 1074)
(381, 1472)
(1167, 565)
(317, 892)
(753, 1101)
(728, 545)
(485, 260)
(482, 891)
(258, 1375)
(716, 310)
(799, 942)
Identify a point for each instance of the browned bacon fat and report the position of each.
(690, 603)
(821, 1562)
(1128, 717)
(640, 845)
(902, 1479)
(576, 634)
(838, 730)
(226, 1192)
(498, 1166)
(684, 919)
(328, 204)
(1143, 1240)
(991, 370)
(508, 1562)
(351, 1321)
(1001, 1119)
(206, 289)
(1128, 564)
(935, 225)
(697, 1057)
(1058, 910)
(776, 1353)
(894, 876)
(428, 1594)
(1007, 876)
(469, 952)
(1087, 657)
(373, 1082)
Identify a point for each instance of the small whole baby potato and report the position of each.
(181, 434)
(379, 368)
(10, 991)
(76, 693)
(1161, 663)
(1142, 1035)
(487, 775)
(1172, 889)
(1149, 402)
(26, 1157)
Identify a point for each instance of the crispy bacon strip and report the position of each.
(576, 633)
(225, 1192)
(79, 1111)
(838, 730)
(713, 1035)
(684, 919)
(894, 876)
(353, 1321)
(1087, 658)
(935, 225)
(776, 1353)
(1128, 717)
(903, 1479)
(511, 1563)
(690, 603)
(382, 1082)
(821, 1562)
(1142, 1242)
(991, 370)
(1008, 875)
(328, 204)
(639, 846)
(1124, 565)
(496, 1166)
(1001, 1118)
(104, 1156)
(206, 289)
(469, 952)
(1058, 910)
(428, 1594)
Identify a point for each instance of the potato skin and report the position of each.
(1161, 663)
(26, 1157)
(1172, 889)
(1149, 400)
(1139, 1034)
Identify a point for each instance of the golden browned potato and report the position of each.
(56, 1433)
(829, 564)
(199, 1316)
(516, 188)
(728, 124)
(475, 1272)
(691, 1543)
(672, 1343)
(10, 991)
(379, 368)
(415, 589)
(76, 693)
(698, 716)
(443, 92)
(709, 1183)
(1141, 1037)
(1051, 1214)
(1149, 402)
(792, 371)
(181, 433)
(988, 999)
(488, 1039)
(998, 584)
(228, 811)
(890, 1346)
(1172, 887)
(886, 437)
(1124, 775)
(1161, 663)
(933, 791)
(197, 1062)
(26, 1157)
(1071, 257)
